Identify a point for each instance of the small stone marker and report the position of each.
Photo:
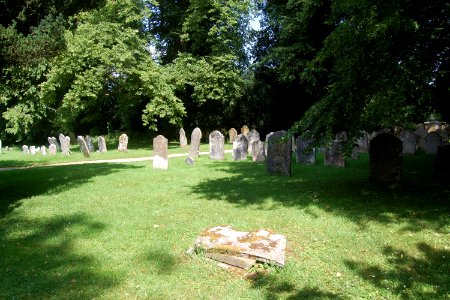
(409, 140)
(279, 153)
(386, 159)
(245, 130)
(102, 144)
(65, 144)
(432, 142)
(232, 134)
(258, 153)
(83, 146)
(52, 149)
(442, 162)
(52, 141)
(196, 137)
(252, 136)
(240, 148)
(160, 153)
(25, 149)
(189, 161)
(33, 150)
(333, 155)
(242, 249)
(183, 138)
(123, 143)
(43, 150)
(304, 153)
(89, 143)
(216, 145)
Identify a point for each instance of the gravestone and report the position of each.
(442, 162)
(279, 152)
(33, 150)
(52, 149)
(444, 136)
(245, 130)
(240, 148)
(304, 153)
(355, 152)
(409, 140)
(363, 142)
(216, 145)
(43, 150)
(386, 159)
(123, 143)
(89, 143)
(252, 136)
(421, 132)
(183, 138)
(189, 161)
(194, 149)
(83, 146)
(432, 142)
(232, 134)
(266, 143)
(0, 146)
(25, 149)
(102, 144)
(333, 155)
(258, 153)
(160, 153)
(52, 141)
(64, 141)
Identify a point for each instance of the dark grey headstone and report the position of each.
(258, 152)
(279, 152)
(432, 142)
(183, 138)
(252, 136)
(363, 142)
(304, 153)
(240, 148)
(386, 159)
(102, 144)
(196, 137)
(333, 155)
(216, 145)
(83, 146)
(421, 132)
(89, 143)
(160, 153)
(232, 134)
(409, 139)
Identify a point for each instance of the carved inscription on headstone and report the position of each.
(216, 145)
(279, 151)
(240, 148)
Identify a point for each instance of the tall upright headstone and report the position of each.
(258, 153)
(89, 143)
(432, 142)
(52, 149)
(245, 130)
(216, 145)
(123, 143)
(33, 150)
(409, 140)
(83, 146)
(25, 149)
(196, 137)
(65, 144)
(252, 136)
(386, 159)
(232, 134)
(160, 153)
(421, 132)
(333, 155)
(305, 153)
(102, 144)
(183, 138)
(363, 142)
(240, 148)
(279, 153)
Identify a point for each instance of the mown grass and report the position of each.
(120, 231)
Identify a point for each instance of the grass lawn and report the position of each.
(120, 231)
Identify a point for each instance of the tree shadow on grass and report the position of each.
(39, 260)
(17, 185)
(424, 276)
(161, 261)
(421, 202)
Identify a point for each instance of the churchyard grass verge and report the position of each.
(120, 231)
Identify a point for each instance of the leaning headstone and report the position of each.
(89, 143)
(196, 137)
(102, 144)
(232, 134)
(386, 159)
(123, 143)
(258, 153)
(252, 136)
(33, 150)
(305, 154)
(83, 146)
(245, 130)
(183, 138)
(333, 155)
(52, 141)
(216, 145)
(25, 149)
(160, 153)
(432, 142)
(240, 148)
(442, 162)
(279, 152)
(52, 149)
(409, 139)
(65, 144)
(43, 150)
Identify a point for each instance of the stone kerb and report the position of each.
(216, 145)
(279, 152)
(386, 159)
(160, 153)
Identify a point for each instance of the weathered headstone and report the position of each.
(333, 155)
(89, 143)
(33, 150)
(43, 150)
(305, 154)
(0, 146)
(355, 152)
(102, 144)
(409, 139)
(194, 149)
(258, 153)
(245, 130)
(52, 149)
(25, 149)
(65, 144)
(232, 134)
(444, 136)
(363, 142)
(53, 141)
(421, 132)
(240, 148)
(267, 142)
(442, 162)
(83, 146)
(279, 153)
(216, 145)
(432, 142)
(123, 143)
(386, 159)
(252, 136)
(183, 138)
(160, 153)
